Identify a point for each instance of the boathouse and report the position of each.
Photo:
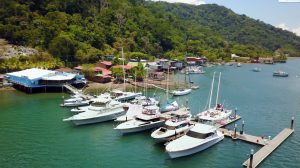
(42, 80)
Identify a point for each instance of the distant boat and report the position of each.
(280, 73)
(194, 87)
(238, 64)
(181, 91)
(256, 69)
(193, 70)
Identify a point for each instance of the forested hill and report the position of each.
(84, 31)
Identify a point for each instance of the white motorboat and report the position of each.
(148, 119)
(178, 124)
(171, 105)
(197, 139)
(75, 102)
(104, 97)
(133, 110)
(124, 96)
(213, 115)
(98, 112)
(145, 101)
(239, 64)
(181, 91)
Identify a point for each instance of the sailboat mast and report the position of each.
(168, 84)
(211, 90)
(124, 89)
(218, 89)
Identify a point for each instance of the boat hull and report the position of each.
(181, 93)
(141, 128)
(99, 119)
(197, 149)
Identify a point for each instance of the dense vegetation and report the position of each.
(78, 31)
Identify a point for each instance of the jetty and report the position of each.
(264, 152)
(268, 144)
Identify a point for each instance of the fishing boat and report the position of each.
(280, 73)
(104, 97)
(133, 110)
(256, 69)
(98, 111)
(218, 113)
(197, 139)
(170, 105)
(178, 124)
(181, 91)
(148, 119)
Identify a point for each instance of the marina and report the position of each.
(100, 141)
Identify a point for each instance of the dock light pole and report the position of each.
(242, 130)
(251, 158)
(292, 122)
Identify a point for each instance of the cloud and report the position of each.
(297, 31)
(283, 26)
(193, 2)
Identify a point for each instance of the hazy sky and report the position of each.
(285, 15)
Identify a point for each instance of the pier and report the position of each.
(269, 145)
(265, 151)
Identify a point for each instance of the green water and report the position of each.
(32, 133)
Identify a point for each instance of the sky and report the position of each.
(284, 14)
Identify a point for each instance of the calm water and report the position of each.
(32, 133)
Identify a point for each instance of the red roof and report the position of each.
(127, 67)
(107, 63)
(103, 70)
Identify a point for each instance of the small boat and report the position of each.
(197, 139)
(280, 73)
(256, 69)
(181, 91)
(178, 124)
(239, 64)
(75, 102)
(124, 96)
(148, 119)
(98, 112)
(194, 87)
(171, 105)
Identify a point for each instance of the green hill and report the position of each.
(84, 31)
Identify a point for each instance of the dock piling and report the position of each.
(234, 135)
(242, 130)
(235, 111)
(292, 122)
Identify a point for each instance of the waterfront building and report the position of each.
(37, 80)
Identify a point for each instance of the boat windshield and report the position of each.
(170, 127)
(98, 104)
(198, 135)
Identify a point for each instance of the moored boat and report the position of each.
(148, 119)
(170, 105)
(197, 139)
(280, 73)
(181, 91)
(178, 124)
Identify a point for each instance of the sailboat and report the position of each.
(171, 104)
(217, 113)
(123, 95)
(181, 90)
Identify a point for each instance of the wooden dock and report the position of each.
(265, 151)
(244, 137)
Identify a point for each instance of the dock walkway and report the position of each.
(265, 151)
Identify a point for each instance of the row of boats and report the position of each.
(182, 133)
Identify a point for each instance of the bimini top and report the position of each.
(203, 128)
(33, 73)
